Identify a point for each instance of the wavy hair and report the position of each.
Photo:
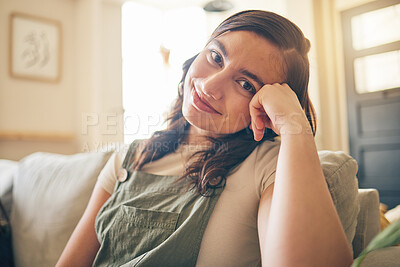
(213, 164)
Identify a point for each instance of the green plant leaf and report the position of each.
(390, 236)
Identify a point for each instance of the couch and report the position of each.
(47, 193)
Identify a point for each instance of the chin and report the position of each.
(211, 123)
(207, 126)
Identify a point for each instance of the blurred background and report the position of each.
(120, 64)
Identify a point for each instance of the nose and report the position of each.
(212, 85)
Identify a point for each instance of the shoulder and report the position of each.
(266, 155)
(127, 150)
(263, 157)
(260, 165)
(118, 156)
(108, 175)
(268, 149)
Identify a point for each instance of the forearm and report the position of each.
(303, 228)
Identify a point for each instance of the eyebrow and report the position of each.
(220, 46)
(244, 72)
(252, 76)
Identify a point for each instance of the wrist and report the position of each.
(293, 124)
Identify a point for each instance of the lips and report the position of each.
(202, 104)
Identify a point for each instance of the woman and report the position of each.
(216, 188)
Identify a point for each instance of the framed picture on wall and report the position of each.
(35, 48)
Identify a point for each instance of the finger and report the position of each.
(255, 106)
(257, 130)
(259, 120)
(259, 134)
(258, 116)
(257, 126)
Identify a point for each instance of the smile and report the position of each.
(202, 105)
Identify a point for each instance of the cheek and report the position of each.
(186, 101)
(200, 67)
(238, 103)
(239, 111)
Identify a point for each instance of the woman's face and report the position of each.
(224, 77)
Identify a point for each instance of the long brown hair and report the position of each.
(214, 163)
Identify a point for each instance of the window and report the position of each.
(376, 27)
(155, 43)
(375, 39)
(377, 72)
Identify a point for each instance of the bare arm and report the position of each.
(83, 245)
(298, 223)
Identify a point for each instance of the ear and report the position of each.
(180, 88)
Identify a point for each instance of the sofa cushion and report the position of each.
(384, 257)
(50, 194)
(340, 173)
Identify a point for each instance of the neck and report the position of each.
(197, 136)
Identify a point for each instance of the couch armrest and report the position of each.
(368, 220)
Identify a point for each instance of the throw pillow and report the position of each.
(50, 194)
(340, 173)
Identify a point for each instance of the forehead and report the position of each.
(247, 50)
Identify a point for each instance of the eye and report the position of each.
(216, 57)
(247, 86)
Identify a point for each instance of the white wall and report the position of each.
(99, 67)
(28, 106)
(90, 84)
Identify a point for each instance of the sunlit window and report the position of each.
(155, 43)
(377, 72)
(376, 27)
(375, 46)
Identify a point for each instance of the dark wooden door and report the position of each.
(372, 69)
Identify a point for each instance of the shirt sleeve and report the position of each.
(108, 175)
(265, 165)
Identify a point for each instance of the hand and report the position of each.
(276, 106)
